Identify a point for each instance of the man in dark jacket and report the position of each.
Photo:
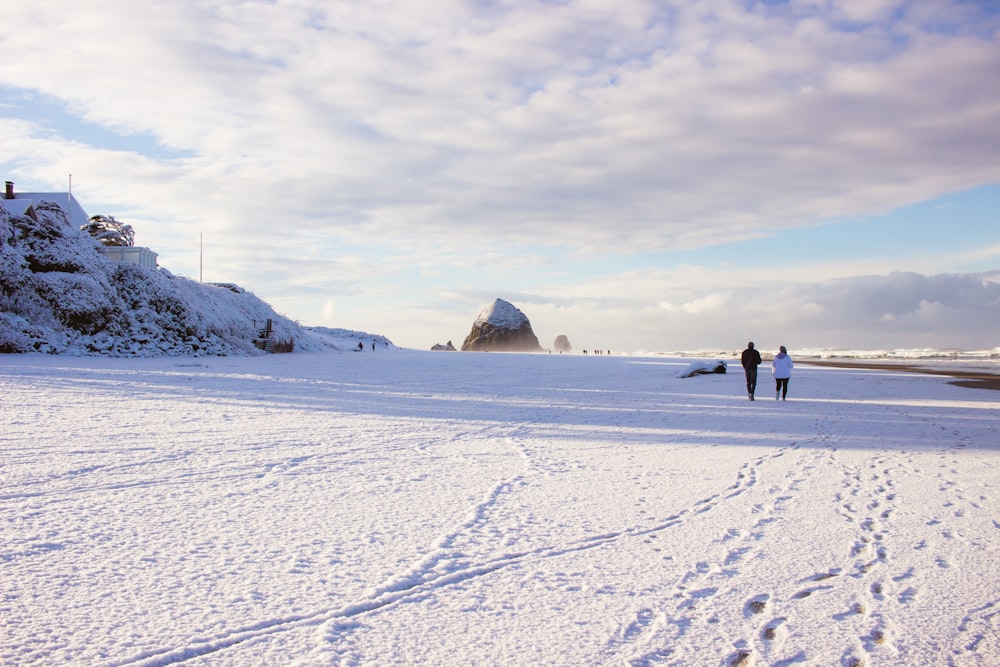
(751, 360)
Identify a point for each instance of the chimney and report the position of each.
(10, 190)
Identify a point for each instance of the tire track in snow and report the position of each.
(422, 578)
(443, 566)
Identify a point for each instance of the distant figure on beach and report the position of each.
(361, 346)
(750, 360)
(781, 368)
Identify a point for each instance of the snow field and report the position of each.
(434, 508)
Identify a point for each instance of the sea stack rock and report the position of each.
(562, 344)
(501, 327)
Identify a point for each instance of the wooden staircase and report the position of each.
(263, 340)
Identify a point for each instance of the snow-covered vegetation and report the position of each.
(110, 232)
(60, 295)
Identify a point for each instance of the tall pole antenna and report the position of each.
(201, 257)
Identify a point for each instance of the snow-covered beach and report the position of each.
(403, 507)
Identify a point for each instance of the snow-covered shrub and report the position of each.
(152, 299)
(19, 297)
(6, 229)
(18, 335)
(81, 302)
(13, 271)
(109, 232)
(50, 244)
(13, 337)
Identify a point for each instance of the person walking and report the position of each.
(751, 360)
(781, 368)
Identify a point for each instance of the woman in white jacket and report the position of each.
(781, 369)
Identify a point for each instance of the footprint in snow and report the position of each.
(734, 533)
(643, 619)
(774, 629)
(879, 636)
(801, 595)
(757, 604)
(857, 609)
(736, 555)
(741, 658)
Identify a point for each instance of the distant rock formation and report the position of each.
(562, 344)
(444, 348)
(501, 327)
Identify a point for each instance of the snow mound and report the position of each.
(703, 368)
(348, 339)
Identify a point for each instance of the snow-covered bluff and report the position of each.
(60, 295)
(501, 327)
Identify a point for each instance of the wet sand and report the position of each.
(960, 378)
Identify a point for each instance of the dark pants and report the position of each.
(751, 380)
(781, 386)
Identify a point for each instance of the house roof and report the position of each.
(17, 206)
(77, 216)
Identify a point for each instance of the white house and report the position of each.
(134, 254)
(64, 200)
(25, 203)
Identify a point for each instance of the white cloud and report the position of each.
(710, 303)
(866, 10)
(899, 310)
(587, 114)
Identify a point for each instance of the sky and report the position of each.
(637, 176)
